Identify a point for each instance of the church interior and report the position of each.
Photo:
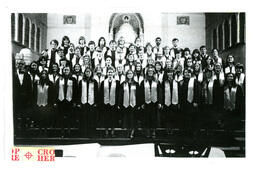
(31, 33)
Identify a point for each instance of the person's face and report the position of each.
(98, 71)
(53, 45)
(230, 59)
(91, 47)
(130, 58)
(82, 41)
(88, 73)
(158, 67)
(120, 69)
(54, 67)
(77, 52)
(170, 75)
(175, 43)
(138, 42)
(179, 69)
(167, 50)
(187, 74)
(150, 72)
(112, 46)
(189, 63)
(197, 67)
(108, 61)
(66, 71)
(203, 50)
(110, 73)
(186, 53)
(129, 74)
(140, 54)
(71, 48)
(77, 68)
(132, 49)
(61, 53)
(215, 52)
(121, 44)
(230, 78)
(208, 60)
(102, 42)
(217, 68)
(149, 48)
(66, 42)
(239, 70)
(43, 62)
(158, 41)
(196, 54)
(21, 66)
(150, 61)
(138, 67)
(34, 66)
(44, 75)
(168, 63)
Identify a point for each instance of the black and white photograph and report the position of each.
(168, 84)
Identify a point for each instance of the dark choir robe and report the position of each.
(129, 101)
(54, 57)
(65, 50)
(34, 78)
(88, 98)
(91, 54)
(44, 98)
(233, 105)
(66, 98)
(139, 78)
(108, 100)
(112, 54)
(171, 92)
(189, 112)
(151, 94)
(22, 95)
(64, 62)
(203, 61)
(129, 66)
(83, 50)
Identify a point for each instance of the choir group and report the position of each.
(95, 85)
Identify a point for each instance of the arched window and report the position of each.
(20, 28)
(227, 34)
(220, 32)
(214, 38)
(33, 32)
(12, 26)
(26, 38)
(38, 37)
(242, 27)
(234, 29)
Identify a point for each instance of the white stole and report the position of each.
(160, 77)
(175, 97)
(69, 90)
(210, 91)
(228, 70)
(167, 90)
(42, 95)
(98, 79)
(200, 77)
(90, 98)
(122, 79)
(230, 98)
(138, 79)
(240, 79)
(190, 96)
(110, 97)
(129, 97)
(150, 94)
(51, 78)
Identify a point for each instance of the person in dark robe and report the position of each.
(159, 71)
(203, 55)
(66, 100)
(82, 45)
(52, 53)
(230, 64)
(109, 109)
(33, 72)
(111, 52)
(158, 48)
(91, 51)
(43, 63)
(44, 98)
(129, 65)
(129, 102)
(22, 95)
(63, 62)
(88, 100)
(151, 93)
(175, 49)
(65, 44)
(240, 80)
(233, 96)
(189, 102)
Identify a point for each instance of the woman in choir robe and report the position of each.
(149, 52)
(142, 59)
(170, 114)
(42, 63)
(166, 53)
(189, 63)
(102, 45)
(65, 44)
(52, 52)
(66, 100)
(152, 102)
(132, 51)
(129, 65)
(216, 57)
(138, 73)
(77, 73)
(77, 59)
(63, 62)
(179, 60)
(98, 76)
(209, 63)
(159, 71)
(44, 98)
(186, 53)
(233, 96)
(111, 52)
(33, 72)
(71, 52)
(22, 95)
(91, 51)
(88, 100)
(160, 58)
(198, 73)
(218, 95)
(196, 56)
(129, 101)
(109, 91)
(108, 64)
(82, 45)
(178, 76)
(230, 65)
(98, 58)
(189, 102)
(120, 57)
(119, 76)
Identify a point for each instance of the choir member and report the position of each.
(178, 60)
(65, 44)
(42, 63)
(186, 53)
(159, 71)
(230, 65)
(98, 76)
(98, 58)
(129, 101)
(86, 62)
(198, 73)
(102, 46)
(120, 74)
(109, 91)
(138, 44)
(175, 48)
(77, 59)
(88, 100)
(129, 65)
(139, 76)
(189, 101)
(108, 64)
(240, 80)
(44, 98)
(132, 51)
(178, 76)
(63, 62)
(71, 52)
(166, 53)
(33, 72)
(161, 58)
(189, 63)
(91, 51)
(77, 73)
(149, 52)
(203, 55)
(82, 45)
(111, 51)
(22, 92)
(216, 57)
(121, 47)
(66, 100)
(141, 58)
(158, 48)
(152, 101)
(52, 52)
(196, 56)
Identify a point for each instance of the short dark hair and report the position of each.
(55, 41)
(175, 39)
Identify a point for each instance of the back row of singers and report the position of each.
(174, 101)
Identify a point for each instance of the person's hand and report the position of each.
(118, 107)
(78, 105)
(143, 106)
(159, 106)
(195, 104)
(95, 105)
(54, 105)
